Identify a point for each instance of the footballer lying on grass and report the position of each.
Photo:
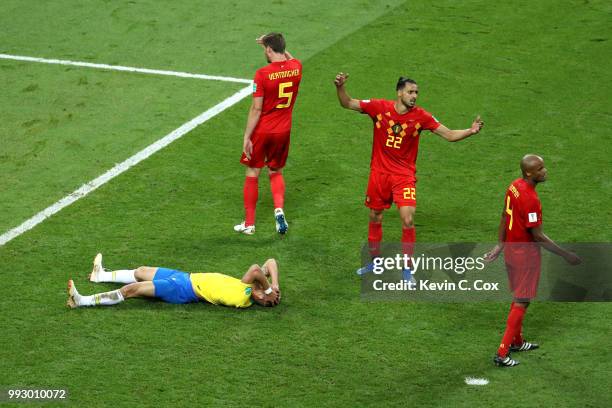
(174, 286)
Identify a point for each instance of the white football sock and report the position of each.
(120, 276)
(100, 299)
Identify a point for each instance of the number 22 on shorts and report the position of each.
(410, 193)
(282, 94)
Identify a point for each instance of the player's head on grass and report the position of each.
(532, 167)
(407, 92)
(259, 296)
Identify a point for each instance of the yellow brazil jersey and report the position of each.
(220, 289)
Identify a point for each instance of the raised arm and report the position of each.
(345, 99)
(256, 275)
(252, 120)
(457, 135)
(550, 245)
(270, 269)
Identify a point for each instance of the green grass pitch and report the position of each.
(538, 74)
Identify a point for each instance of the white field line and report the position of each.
(476, 381)
(121, 167)
(122, 68)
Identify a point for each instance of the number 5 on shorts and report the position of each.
(410, 193)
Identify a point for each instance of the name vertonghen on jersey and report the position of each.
(283, 74)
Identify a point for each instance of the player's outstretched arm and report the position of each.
(345, 99)
(252, 120)
(550, 245)
(457, 135)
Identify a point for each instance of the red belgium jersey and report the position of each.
(396, 137)
(278, 83)
(523, 211)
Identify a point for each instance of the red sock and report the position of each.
(251, 192)
(375, 234)
(408, 240)
(513, 328)
(277, 185)
(518, 336)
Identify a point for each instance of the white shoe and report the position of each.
(408, 277)
(73, 295)
(97, 268)
(281, 222)
(365, 269)
(250, 230)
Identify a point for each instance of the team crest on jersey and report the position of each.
(397, 128)
(254, 87)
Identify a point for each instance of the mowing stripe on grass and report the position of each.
(125, 165)
(122, 68)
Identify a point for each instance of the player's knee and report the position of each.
(408, 221)
(130, 290)
(252, 172)
(139, 273)
(271, 263)
(376, 216)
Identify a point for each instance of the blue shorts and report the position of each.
(173, 286)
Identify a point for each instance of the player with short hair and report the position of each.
(520, 236)
(268, 129)
(174, 286)
(397, 127)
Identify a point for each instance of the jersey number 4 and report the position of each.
(509, 212)
(283, 94)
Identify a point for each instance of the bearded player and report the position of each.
(174, 286)
(268, 128)
(397, 126)
(520, 236)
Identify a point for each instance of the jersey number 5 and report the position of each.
(509, 212)
(283, 94)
